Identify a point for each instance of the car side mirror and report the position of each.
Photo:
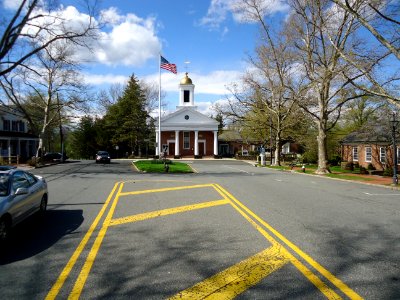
(21, 191)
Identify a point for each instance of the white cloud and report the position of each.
(101, 80)
(219, 10)
(110, 16)
(214, 83)
(126, 40)
(11, 4)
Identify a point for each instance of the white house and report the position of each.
(15, 139)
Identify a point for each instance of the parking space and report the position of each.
(178, 239)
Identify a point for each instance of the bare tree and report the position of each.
(51, 84)
(320, 34)
(381, 19)
(269, 97)
(34, 26)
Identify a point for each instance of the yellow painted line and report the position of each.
(193, 169)
(233, 281)
(328, 292)
(161, 190)
(335, 281)
(83, 275)
(165, 212)
(67, 269)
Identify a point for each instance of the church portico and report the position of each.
(183, 143)
(187, 132)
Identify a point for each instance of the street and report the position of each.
(230, 230)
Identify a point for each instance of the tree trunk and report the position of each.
(277, 152)
(323, 167)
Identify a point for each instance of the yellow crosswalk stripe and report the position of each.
(231, 282)
(165, 212)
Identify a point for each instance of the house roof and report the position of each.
(229, 135)
(370, 134)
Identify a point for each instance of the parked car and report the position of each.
(6, 168)
(103, 156)
(54, 156)
(21, 195)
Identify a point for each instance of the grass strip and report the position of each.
(153, 166)
(348, 177)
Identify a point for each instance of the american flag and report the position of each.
(165, 64)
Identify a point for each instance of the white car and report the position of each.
(21, 195)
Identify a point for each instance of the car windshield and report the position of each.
(4, 180)
(102, 153)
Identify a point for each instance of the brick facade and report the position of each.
(206, 143)
(370, 154)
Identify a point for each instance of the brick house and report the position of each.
(231, 142)
(370, 145)
(187, 132)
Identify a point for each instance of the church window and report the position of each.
(186, 140)
(186, 96)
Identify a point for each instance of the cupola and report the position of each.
(186, 92)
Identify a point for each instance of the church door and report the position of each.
(201, 149)
(171, 149)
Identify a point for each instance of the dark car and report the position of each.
(103, 157)
(21, 195)
(6, 168)
(54, 156)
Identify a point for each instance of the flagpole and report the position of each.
(159, 107)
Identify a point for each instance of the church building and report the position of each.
(187, 132)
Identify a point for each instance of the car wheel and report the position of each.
(43, 205)
(5, 226)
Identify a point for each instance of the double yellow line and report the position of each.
(72, 261)
(256, 221)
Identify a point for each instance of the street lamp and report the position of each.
(394, 124)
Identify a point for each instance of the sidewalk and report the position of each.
(383, 181)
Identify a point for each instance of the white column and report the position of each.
(196, 142)
(157, 142)
(215, 142)
(177, 143)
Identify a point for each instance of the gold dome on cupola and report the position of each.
(186, 79)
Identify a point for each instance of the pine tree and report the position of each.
(127, 118)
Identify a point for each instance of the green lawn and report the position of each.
(157, 166)
(348, 177)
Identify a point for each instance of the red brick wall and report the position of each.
(347, 152)
(208, 136)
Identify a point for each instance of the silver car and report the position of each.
(21, 195)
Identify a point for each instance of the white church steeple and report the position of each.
(186, 92)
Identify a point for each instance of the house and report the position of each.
(187, 132)
(15, 138)
(231, 142)
(371, 145)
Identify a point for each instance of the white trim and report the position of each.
(205, 146)
(170, 142)
(380, 154)
(366, 157)
(355, 153)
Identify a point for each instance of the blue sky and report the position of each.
(206, 33)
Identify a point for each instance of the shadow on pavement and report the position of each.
(38, 233)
